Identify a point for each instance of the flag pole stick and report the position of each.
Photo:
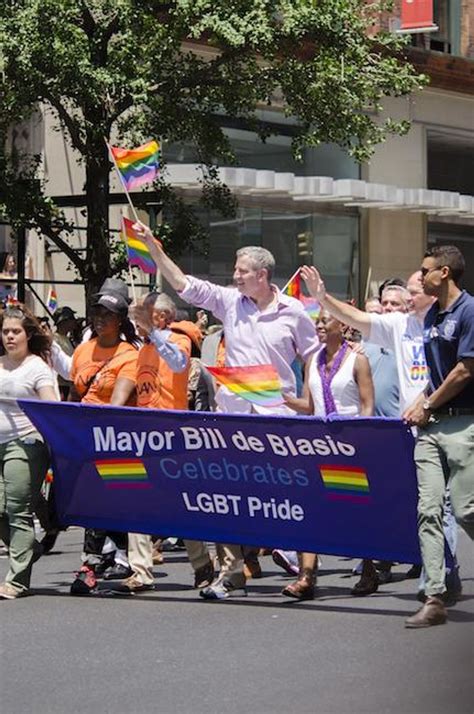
(289, 281)
(112, 157)
(122, 225)
(367, 284)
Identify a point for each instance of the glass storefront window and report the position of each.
(330, 241)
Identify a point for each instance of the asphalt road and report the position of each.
(169, 651)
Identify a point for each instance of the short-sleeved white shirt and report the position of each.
(403, 334)
(21, 382)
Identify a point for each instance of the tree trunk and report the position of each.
(97, 267)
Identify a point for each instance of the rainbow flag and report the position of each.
(258, 384)
(137, 250)
(311, 306)
(11, 301)
(345, 483)
(123, 473)
(52, 301)
(293, 288)
(138, 166)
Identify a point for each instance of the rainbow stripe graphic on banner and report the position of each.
(345, 483)
(137, 250)
(311, 306)
(123, 473)
(258, 384)
(293, 288)
(137, 166)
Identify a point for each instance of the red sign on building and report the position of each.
(417, 14)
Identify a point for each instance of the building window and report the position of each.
(447, 39)
(331, 241)
(450, 162)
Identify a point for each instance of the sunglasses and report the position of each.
(426, 271)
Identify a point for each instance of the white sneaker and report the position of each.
(286, 559)
(222, 589)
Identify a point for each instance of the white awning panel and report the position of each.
(324, 189)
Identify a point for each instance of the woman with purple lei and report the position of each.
(337, 381)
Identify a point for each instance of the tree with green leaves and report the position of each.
(141, 69)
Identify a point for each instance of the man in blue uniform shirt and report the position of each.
(444, 414)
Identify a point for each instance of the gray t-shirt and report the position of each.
(21, 382)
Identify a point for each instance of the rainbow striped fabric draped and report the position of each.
(258, 384)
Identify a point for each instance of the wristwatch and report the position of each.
(427, 406)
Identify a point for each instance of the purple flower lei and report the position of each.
(326, 379)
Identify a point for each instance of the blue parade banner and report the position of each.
(342, 487)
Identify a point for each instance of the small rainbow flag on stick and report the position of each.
(52, 301)
(345, 483)
(138, 253)
(139, 166)
(258, 384)
(293, 286)
(123, 473)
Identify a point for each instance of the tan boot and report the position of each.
(432, 613)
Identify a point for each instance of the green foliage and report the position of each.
(145, 68)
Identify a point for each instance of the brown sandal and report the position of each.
(301, 589)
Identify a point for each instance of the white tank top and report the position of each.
(344, 388)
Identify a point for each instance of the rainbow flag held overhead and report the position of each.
(123, 473)
(345, 483)
(293, 288)
(137, 250)
(311, 306)
(52, 301)
(138, 166)
(258, 384)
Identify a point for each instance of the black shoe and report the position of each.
(107, 562)
(413, 573)
(384, 576)
(366, 586)
(204, 575)
(117, 572)
(48, 541)
(37, 551)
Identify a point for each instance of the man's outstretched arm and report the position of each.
(170, 271)
(348, 314)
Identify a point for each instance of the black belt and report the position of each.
(454, 411)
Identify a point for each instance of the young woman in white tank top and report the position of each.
(337, 381)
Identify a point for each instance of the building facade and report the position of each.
(359, 224)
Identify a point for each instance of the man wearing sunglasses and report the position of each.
(444, 414)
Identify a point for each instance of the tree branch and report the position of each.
(47, 230)
(68, 122)
(89, 23)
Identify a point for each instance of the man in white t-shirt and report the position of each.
(396, 329)
(401, 331)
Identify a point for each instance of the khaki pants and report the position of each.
(140, 555)
(23, 466)
(444, 453)
(231, 562)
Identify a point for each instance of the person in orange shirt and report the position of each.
(162, 383)
(163, 361)
(103, 372)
